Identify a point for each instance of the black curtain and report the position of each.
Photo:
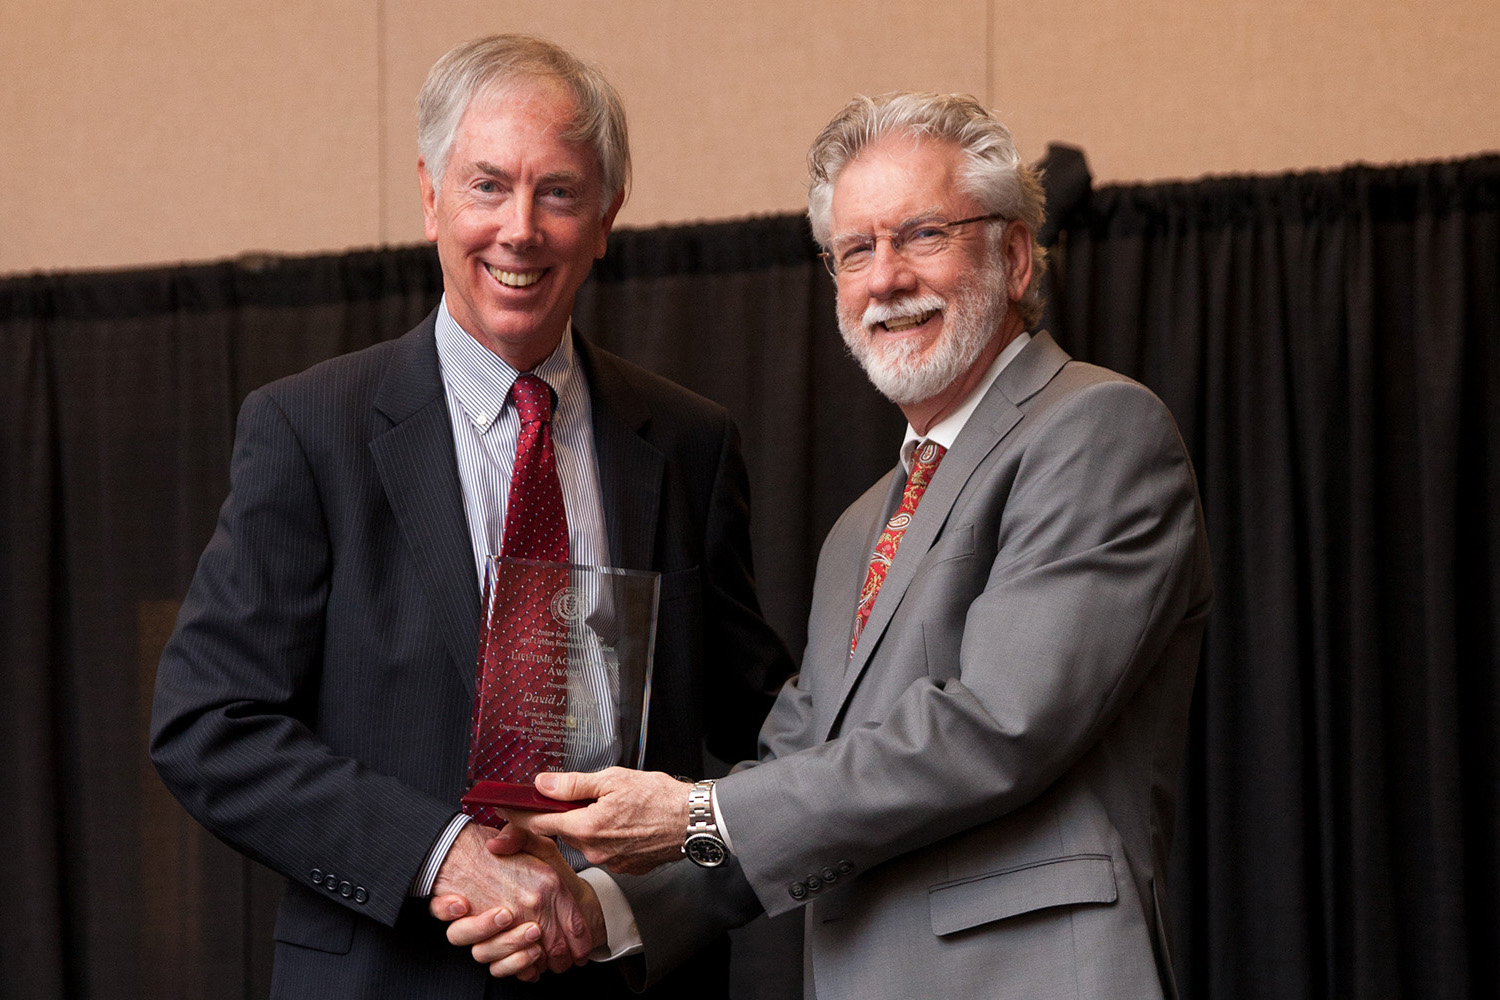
(1326, 341)
(1329, 346)
(118, 403)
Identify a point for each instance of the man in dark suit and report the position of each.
(313, 707)
(970, 786)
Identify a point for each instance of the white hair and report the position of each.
(993, 173)
(487, 65)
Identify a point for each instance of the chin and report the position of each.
(905, 387)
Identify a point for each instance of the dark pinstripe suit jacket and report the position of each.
(312, 707)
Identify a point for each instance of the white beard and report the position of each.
(909, 371)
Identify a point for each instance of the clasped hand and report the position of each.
(532, 912)
(515, 903)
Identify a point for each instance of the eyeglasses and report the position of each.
(853, 253)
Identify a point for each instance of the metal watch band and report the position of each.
(702, 843)
(701, 817)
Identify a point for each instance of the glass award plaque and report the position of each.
(564, 675)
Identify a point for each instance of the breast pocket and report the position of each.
(955, 544)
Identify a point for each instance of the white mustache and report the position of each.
(884, 312)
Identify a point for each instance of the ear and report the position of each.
(429, 202)
(608, 223)
(1018, 259)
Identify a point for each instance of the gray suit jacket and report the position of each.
(312, 708)
(980, 802)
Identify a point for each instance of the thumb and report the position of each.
(568, 786)
(511, 839)
(449, 906)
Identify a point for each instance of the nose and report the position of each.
(519, 227)
(890, 273)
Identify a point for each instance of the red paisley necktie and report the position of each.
(924, 462)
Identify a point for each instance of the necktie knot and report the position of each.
(925, 459)
(533, 398)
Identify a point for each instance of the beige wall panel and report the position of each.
(723, 99)
(143, 131)
(159, 130)
(1155, 89)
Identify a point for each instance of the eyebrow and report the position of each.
(486, 167)
(566, 176)
(911, 220)
(931, 215)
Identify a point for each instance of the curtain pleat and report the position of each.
(1327, 342)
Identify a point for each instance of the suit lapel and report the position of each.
(630, 469)
(842, 568)
(417, 467)
(998, 413)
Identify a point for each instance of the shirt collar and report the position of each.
(946, 431)
(480, 380)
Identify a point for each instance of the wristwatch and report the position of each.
(703, 845)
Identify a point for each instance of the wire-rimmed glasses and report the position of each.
(854, 252)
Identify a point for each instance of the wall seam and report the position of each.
(989, 53)
(382, 234)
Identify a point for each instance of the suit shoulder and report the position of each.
(1077, 375)
(665, 398)
(343, 374)
(1093, 411)
(350, 381)
(1101, 390)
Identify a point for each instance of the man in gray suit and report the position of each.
(970, 787)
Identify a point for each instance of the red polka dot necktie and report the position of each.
(520, 695)
(924, 462)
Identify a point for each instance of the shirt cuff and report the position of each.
(421, 885)
(719, 820)
(623, 937)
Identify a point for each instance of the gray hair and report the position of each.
(993, 174)
(488, 64)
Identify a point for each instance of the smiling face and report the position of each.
(925, 330)
(518, 219)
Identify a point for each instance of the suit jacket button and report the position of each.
(346, 890)
(829, 875)
(813, 882)
(330, 882)
(360, 895)
(317, 876)
(845, 867)
(798, 890)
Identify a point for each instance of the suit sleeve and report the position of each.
(1098, 563)
(238, 686)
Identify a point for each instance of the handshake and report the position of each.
(510, 897)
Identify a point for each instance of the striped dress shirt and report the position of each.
(486, 428)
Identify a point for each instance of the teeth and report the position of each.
(907, 322)
(515, 279)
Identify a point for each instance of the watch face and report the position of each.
(705, 850)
